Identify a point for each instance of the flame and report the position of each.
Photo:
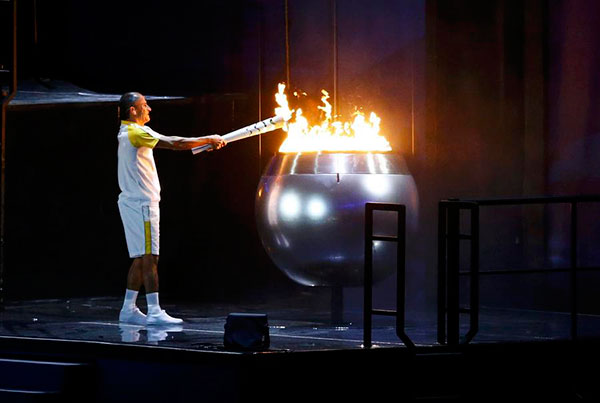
(284, 109)
(330, 134)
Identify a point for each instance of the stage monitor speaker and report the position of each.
(246, 332)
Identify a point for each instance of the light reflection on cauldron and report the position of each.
(310, 213)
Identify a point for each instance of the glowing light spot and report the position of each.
(290, 206)
(316, 208)
(377, 185)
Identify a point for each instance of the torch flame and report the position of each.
(330, 134)
(284, 109)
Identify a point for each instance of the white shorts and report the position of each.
(141, 224)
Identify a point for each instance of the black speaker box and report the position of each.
(246, 332)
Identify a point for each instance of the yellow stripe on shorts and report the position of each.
(147, 237)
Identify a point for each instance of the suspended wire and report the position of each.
(260, 82)
(287, 45)
(335, 57)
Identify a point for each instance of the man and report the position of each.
(139, 203)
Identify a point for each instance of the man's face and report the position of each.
(140, 111)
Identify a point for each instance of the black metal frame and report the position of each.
(400, 239)
(449, 237)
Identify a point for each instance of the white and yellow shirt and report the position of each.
(138, 178)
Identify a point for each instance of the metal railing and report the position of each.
(400, 240)
(449, 237)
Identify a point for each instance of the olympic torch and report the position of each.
(264, 126)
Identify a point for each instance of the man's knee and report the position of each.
(150, 259)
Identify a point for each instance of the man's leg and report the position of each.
(156, 316)
(130, 313)
(149, 272)
(135, 279)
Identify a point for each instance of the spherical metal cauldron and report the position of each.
(310, 211)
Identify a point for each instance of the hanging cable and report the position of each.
(287, 45)
(412, 99)
(260, 83)
(335, 57)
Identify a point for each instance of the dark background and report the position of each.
(482, 98)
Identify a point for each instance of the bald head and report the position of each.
(126, 102)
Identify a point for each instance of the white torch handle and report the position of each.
(263, 126)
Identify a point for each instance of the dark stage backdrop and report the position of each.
(179, 47)
(482, 98)
(573, 138)
(512, 99)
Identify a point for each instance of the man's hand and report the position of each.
(216, 142)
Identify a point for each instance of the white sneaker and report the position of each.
(162, 318)
(133, 315)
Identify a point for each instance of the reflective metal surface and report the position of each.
(310, 213)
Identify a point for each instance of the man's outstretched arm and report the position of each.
(187, 143)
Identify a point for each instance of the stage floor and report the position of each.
(292, 327)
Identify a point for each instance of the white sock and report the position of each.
(152, 301)
(130, 297)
